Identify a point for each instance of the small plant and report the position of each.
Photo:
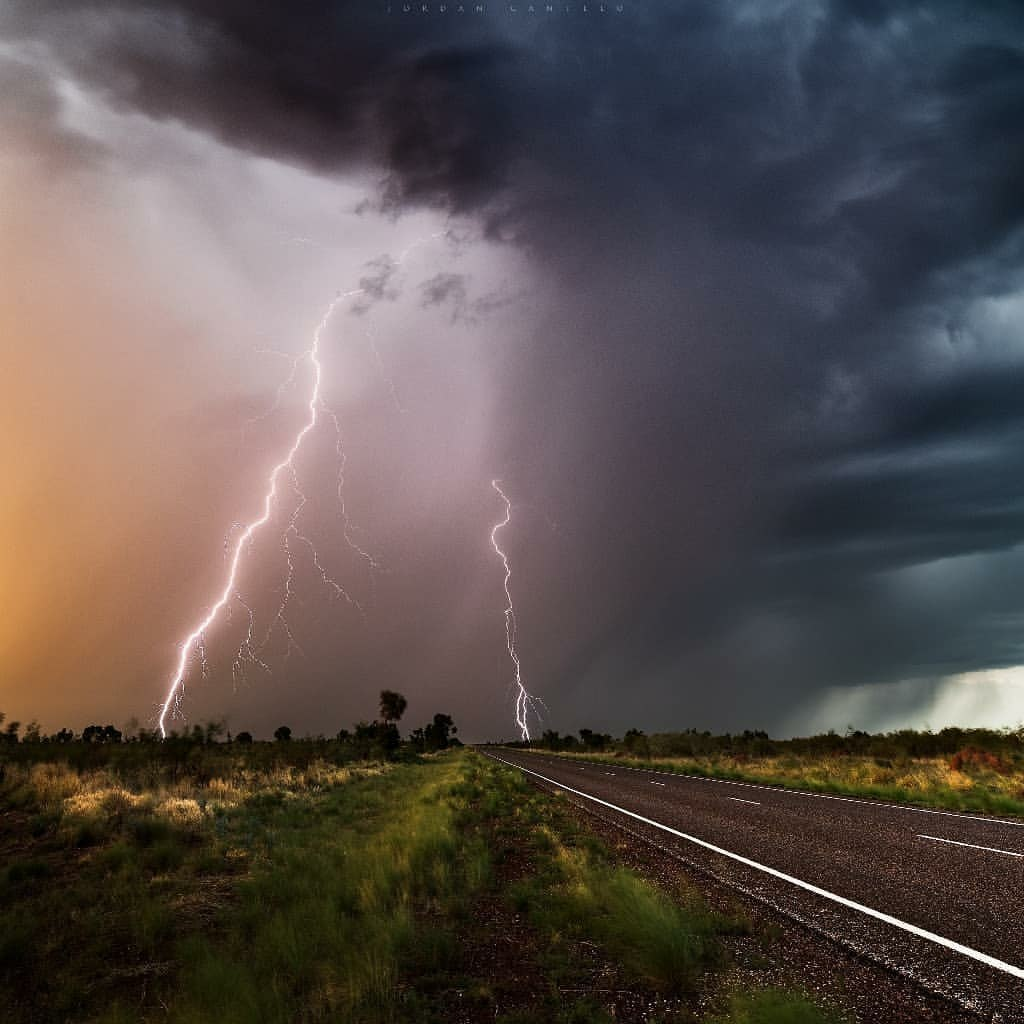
(775, 1007)
(973, 759)
(27, 871)
(163, 856)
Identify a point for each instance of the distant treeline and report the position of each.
(757, 743)
(98, 745)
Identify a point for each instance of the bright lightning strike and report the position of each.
(194, 645)
(195, 642)
(525, 703)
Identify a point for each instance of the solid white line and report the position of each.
(740, 800)
(973, 846)
(941, 940)
(784, 790)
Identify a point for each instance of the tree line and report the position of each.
(377, 738)
(757, 743)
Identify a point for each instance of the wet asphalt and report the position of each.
(957, 876)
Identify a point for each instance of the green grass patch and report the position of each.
(664, 942)
(775, 1007)
(327, 923)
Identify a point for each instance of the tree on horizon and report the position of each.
(392, 706)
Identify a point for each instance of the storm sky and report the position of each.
(730, 296)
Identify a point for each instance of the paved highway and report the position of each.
(934, 895)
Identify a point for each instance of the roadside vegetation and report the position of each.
(292, 881)
(979, 770)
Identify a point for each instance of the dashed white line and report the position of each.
(653, 783)
(913, 929)
(973, 846)
(740, 800)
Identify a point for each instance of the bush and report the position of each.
(973, 759)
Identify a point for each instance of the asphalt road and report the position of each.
(934, 895)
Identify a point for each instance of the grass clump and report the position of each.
(775, 1007)
(663, 942)
(22, 871)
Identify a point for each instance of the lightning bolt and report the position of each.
(194, 645)
(525, 703)
(195, 642)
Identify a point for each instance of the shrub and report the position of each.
(974, 759)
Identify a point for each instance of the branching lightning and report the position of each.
(235, 544)
(195, 643)
(525, 703)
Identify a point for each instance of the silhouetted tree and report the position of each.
(392, 705)
(594, 740)
(214, 731)
(11, 732)
(64, 736)
(551, 740)
(101, 734)
(375, 739)
(282, 734)
(244, 738)
(437, 735)
(636, 743)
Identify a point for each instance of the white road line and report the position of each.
(784, 790)
(740, 800)
(653, 783)
(973, 846)
(913, 929)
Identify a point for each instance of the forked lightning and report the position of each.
(525, 703)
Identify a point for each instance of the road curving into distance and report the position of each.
(934, 895)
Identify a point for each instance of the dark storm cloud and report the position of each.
(759, 220)
(331, 85)
(377, 285)
(942, 474)
(453, 291)
(446, 289)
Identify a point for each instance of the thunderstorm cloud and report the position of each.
(739, 304)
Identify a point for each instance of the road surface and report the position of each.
(934, 895)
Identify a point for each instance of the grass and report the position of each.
(666, 943)
(321, 930)
(925, 781)
(670, 943)
(310, 892)
(111, 875)
(774, 1007)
